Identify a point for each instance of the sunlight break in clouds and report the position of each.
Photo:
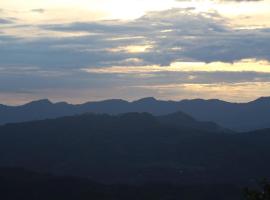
(131, 48)
(245, 65)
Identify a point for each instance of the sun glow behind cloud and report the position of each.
(245, 65)
(131, 49)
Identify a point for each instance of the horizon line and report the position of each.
(132, 101)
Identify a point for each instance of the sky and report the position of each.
(89, 50)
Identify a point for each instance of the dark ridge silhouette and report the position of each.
(39, 103)
(137, 148)
(235, 116)
(180, 119)
(18, 183)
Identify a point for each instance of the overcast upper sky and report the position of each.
(88, 50)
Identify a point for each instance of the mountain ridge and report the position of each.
(136, 148)
(236, 116)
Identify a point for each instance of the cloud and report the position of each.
(247, 65)
(176, 34)
(38, 10)
(158, 38)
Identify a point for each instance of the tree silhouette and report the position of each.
(263, 193)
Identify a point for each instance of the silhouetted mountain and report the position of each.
(180, 119)
(236, 116)
(136, 148)
(39, 103)
(19, 184)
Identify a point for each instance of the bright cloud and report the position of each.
(246, 65)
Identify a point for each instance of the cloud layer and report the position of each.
(115, 55)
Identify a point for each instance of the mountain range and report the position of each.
(137, 148)
(235, 116)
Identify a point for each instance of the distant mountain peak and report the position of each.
(146, 99)
(114, 101)
(2, 106)
(39, 102)
(216, 101)
(262, 99)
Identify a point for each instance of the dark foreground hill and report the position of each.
(239, 117)
(16, 184)
(136, 148)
